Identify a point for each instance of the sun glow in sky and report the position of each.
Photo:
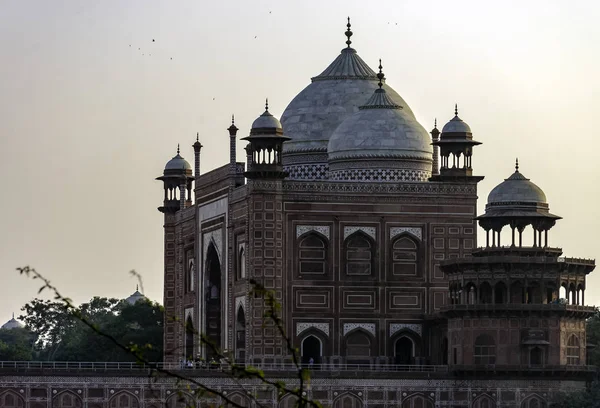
(91, 108)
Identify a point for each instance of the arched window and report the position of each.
(484, 401)
(240, 335)
(123, 400)
(485, 350)
(239, 399)
(347, 401)
(11, 400)
(536, 356)
(404, 257)
(289, 401)
(311, 348)
(180, 400)
(517, 293)
(417, 401)
(358, 347)
(312, 255)
(190, 332)
(500, 293)
(573, 350)
(404, 351)
(242, 264)
(471, 293)
(67, 400)
(533, 402)
(213, 298)
(359, 255)
(485, 293)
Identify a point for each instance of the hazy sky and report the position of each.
(88, 117)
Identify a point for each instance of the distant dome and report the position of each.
(12, 324)
(135, 297)
(516, 189)
(178, 163)
(380, 142)
(456, 125)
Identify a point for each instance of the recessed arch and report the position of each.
(240, 334)
(347, 400)
(238, 398)
(405, 346)
(313, 249)
(180, 399)
(288, 401)
(359, 346)
(573, 350)
(190, 333)
(123, 399)
(66, 399)
(213, 298)
(359, 254)
(10, 399)
(242, 262)
(417, 400)
(311, 347)
(484, 401)
(405, 256)
(485, 293)
(534, 401)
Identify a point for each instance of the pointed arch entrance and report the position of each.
(404, 351)
(213, 298)
(312, 348)
(189, 339)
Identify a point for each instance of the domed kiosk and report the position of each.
(177, 180)
(135, 297)
(381, 142)
(315, 113)
(517, 202)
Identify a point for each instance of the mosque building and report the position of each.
(364, 225)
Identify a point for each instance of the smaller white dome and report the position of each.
(12, 324)
(178, 163)
(456, 125)
(266, 121)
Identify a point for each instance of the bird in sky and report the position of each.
(153, 40)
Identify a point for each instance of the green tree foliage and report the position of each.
(585, 399)
(16, 344)
(61, 336)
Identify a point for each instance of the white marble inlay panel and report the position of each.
(301, 327)
(321, 229)
(370, 231)
(370, 327)
(240, 301)
(396, 327)
(415, 231)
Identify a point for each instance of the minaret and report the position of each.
(177, 180)
(435, 137)
(232, 153)
(197, 147)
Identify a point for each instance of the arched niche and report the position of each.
(190, 332)
(485, 293)
(123, 399)
(573, 350)
(405, 257)
(213, 299)
(238, 398)
(534, 401)
(313, 254)
(311, 347)
(484, 401)
(359, 347)
(241, 263)
(180, 399)
(347, 400)
(359, 255)
(406, 347)
(288, 401)
(240, 334)
(500, 293)
(10, 399)
(66, 399)
(417, 401)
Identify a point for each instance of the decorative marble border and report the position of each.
(301, 327)
(217, 237)
(370, 231)
(396, 327)
(414, 231)
(370, 327)
(321, 229)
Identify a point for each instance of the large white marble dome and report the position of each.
(316, 112)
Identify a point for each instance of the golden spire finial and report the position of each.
(348, 33)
